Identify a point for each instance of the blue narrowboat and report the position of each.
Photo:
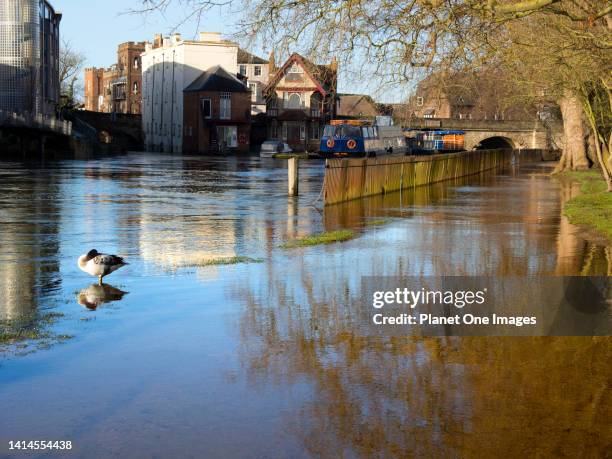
(361, 138)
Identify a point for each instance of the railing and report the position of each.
(39, 121)
(272, 111)
(315, 113)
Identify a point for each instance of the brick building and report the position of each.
(301, 98)
(170, 65)
(117, 88)
(216, 113)
(483, 95)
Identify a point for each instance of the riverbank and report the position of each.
(592, 208)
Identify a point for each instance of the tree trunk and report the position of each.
(574, 155)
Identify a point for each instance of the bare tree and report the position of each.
(561, 47)
(71, 63)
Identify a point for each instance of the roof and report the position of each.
(216, 79)
(356, 105)
(324, 76)
(244, 57)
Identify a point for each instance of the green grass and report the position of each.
(321, 238)
(221, 261)
(28, 328)
(378, 222)
(592, 208)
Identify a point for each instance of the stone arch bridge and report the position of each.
(488, 134)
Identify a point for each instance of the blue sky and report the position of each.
(96, 27)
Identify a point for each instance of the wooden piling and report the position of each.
(347, 179)
(293, 176)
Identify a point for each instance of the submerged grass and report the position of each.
(593, 208)
(29, 328)
(321, 238)
(377, 222)
(221, 261)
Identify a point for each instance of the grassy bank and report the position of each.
(321, 238)
(593, 208)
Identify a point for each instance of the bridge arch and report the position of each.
(496, 142)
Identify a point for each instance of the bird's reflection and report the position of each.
(96, 295)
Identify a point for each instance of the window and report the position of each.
(243, 70)
(294, 101)
(253, 88)
(135, 62)
(284, 131)
(366, 134)
(295, 73)
(228, 136)
(302, 131)
(135, 88)
(419, 101)
(296, 69)
(206, 108)
(226, 106)
(257, 70)
(314, 134)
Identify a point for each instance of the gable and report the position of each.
(298, 72)
(295, 76)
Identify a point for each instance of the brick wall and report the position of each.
(197, 131)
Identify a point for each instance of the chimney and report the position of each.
(157, 40)
(175, 38)
(210, 36)
(334, 64)
(271, 63)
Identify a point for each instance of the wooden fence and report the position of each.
(347, 179)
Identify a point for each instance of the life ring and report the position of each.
(330, 143)
(351, 144)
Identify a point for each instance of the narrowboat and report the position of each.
(362, 138)
(435, 141)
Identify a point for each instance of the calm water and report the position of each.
(260, 359)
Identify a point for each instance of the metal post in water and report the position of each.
(292, 170)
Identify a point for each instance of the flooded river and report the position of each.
(178, 359)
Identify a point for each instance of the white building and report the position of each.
(169, 65)
(257, 71)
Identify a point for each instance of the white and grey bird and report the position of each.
(100, 264)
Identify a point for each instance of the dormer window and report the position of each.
(243, 70)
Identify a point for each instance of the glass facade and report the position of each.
(29, 56)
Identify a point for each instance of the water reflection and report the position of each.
(283, 329)
(29, 240)
(96, 295)
(432, 397)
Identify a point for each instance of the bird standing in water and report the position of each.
(100, 264)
